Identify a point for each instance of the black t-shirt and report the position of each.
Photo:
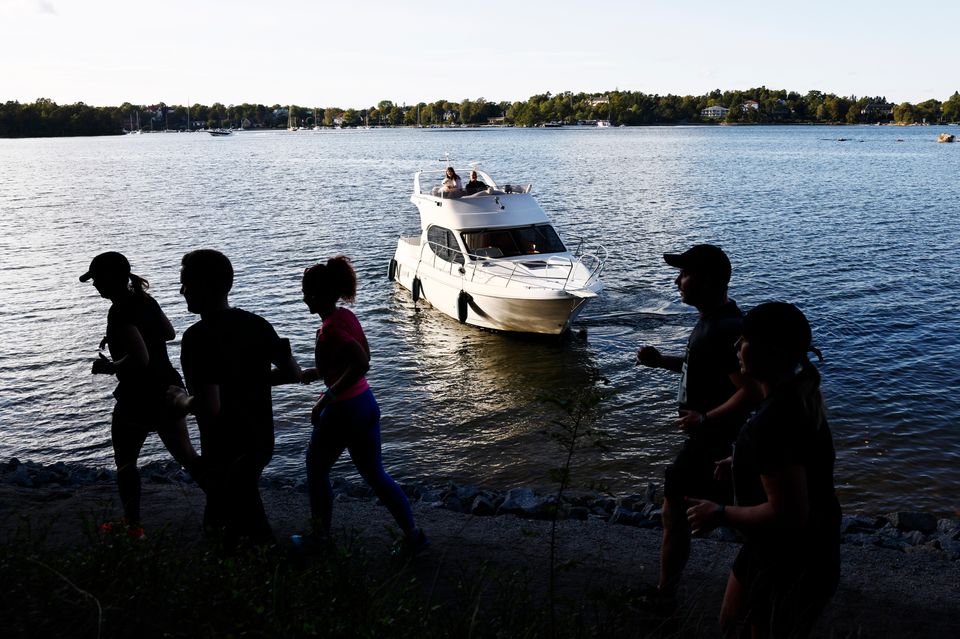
(781, 434)
(711, 358)
(142, 312)
(234, 349)
(474, 185)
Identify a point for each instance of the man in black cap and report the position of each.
(713, 400)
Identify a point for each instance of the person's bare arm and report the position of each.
(787, 506)
(205, 401)
(131, 343)
(287, 371)
(746, 396)
(652, 357)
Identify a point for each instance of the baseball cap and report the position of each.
(702, 258)
(109, 263)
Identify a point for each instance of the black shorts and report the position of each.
(146, 406)
(691, 473)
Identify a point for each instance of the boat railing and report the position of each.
(593, 260)
(512, 270)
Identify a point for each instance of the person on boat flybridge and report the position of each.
(346, 415)
(474, 185)
(452, 182)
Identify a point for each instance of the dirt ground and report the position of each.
(883, 593)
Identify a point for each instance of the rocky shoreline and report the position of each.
(905, 531)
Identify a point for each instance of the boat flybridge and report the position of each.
(492, 259)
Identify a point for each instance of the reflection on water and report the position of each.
(861, 236)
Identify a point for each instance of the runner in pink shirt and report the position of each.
(346, 415)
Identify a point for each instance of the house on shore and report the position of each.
(715, 112)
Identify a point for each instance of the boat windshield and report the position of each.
(526, 240)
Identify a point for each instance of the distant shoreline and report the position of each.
(493, 127)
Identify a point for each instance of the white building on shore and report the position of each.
(715, 112)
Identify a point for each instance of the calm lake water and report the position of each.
(863, 235)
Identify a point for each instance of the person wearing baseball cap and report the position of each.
(137, 335)
(713, 400)
(107, 265)
(706, 259)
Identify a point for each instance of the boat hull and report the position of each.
(541, 311)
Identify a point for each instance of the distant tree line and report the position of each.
(45, 118)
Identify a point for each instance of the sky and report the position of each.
(355, 54)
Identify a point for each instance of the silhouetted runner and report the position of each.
(786, 505)
(713, 400)
(137, 336)
(226, 358)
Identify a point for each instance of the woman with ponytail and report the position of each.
(346, 415)
(137, 336)
(785, 502)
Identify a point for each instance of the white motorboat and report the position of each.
(492, 259)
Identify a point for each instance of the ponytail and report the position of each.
(138, 285)
(336, 279)
(808, 387)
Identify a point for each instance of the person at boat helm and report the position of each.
(713, 401)
(452, 182)
(474, 185)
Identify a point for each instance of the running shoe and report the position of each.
(312, 544)
(411, 545)
(122, 528)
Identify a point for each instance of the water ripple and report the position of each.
(858, 235)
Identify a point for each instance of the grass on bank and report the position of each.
(115, 586)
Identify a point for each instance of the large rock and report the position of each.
(526, 503)
(466, 494)
(20, 476)
(484, 505)
(861, 539)
(910, 521)
(626, 516)
(949, 528)
(859, 524)
(632, 502)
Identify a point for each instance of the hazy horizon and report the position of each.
(104, 52)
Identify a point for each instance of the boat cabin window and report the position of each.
(526, 240)
(443, 242)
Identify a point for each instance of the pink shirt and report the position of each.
(335, 334)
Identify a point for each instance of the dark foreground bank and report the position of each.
(483, 574)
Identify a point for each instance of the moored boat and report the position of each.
(492, 259)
